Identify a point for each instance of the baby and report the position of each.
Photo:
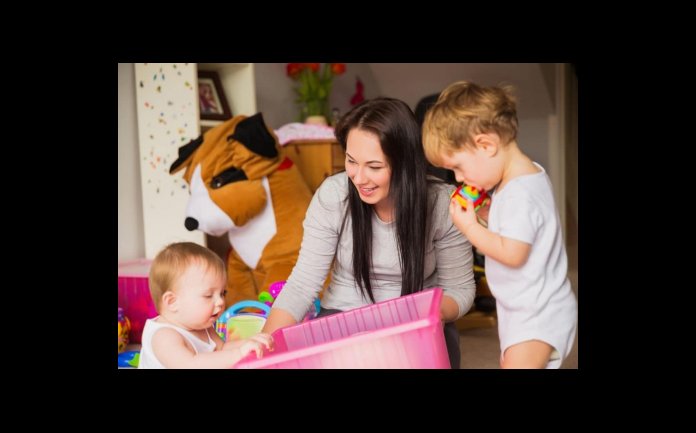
(187, 283)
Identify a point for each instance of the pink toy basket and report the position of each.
(134, 295)
(404, 332)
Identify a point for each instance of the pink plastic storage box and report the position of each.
(134, 295)
(404, 332)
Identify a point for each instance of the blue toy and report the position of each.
(129, 359)
(236, 324)
(242, 325)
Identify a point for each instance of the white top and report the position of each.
(534, 301)
(448, 257)
(147, 356)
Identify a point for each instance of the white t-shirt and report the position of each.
(147, 356)
(534, 301)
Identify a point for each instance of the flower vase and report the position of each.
(316, 120)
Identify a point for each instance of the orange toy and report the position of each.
(243, 185)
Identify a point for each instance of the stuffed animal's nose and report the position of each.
(191, 224)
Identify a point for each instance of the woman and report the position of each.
(386, 224)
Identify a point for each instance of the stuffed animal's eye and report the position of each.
(232, 174)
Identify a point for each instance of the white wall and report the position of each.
(167, 104)
(412, 81)
(131, 239)
(533, 139)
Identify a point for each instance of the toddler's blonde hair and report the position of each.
(463, 110)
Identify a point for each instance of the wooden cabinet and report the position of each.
(316, 159)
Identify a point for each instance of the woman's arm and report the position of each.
(321, 226)
(278, 318)
(454, 263)
(449, 309)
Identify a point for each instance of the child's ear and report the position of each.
(169, 301)
(488, 143)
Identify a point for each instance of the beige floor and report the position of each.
(480, 349)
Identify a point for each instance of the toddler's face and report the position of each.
(472, 167)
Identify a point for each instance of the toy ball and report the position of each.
(124, 328)
(266, 297)
(463, 192)
(275, 288)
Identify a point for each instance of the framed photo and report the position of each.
(211, 97)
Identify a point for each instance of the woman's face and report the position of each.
(367, 167)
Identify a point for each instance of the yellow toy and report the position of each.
(124, 327)
(463, 192)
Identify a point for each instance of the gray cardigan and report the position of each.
(448, 260)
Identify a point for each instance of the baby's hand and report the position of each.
(256, 344)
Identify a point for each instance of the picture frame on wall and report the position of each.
(211, 97)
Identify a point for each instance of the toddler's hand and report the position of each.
(462, 218)
(482, 213)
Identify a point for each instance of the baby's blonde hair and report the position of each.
(173, 261)
(463, 110)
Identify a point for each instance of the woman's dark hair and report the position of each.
(393, 122)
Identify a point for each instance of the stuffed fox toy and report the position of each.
(242, 184)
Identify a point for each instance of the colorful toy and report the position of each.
(479, 196)
(274, 290)
(242, 184)
(235, 324)
(134, 295)
(129, 359)
(124, 328)
(266, 298)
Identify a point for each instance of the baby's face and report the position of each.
(200, 296)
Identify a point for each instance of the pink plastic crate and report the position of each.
(134, 295)
(404, 332)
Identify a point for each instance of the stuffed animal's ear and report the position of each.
(254, 135)
(185, 153)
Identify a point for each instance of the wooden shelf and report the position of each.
(316, 159)
(210, 123)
